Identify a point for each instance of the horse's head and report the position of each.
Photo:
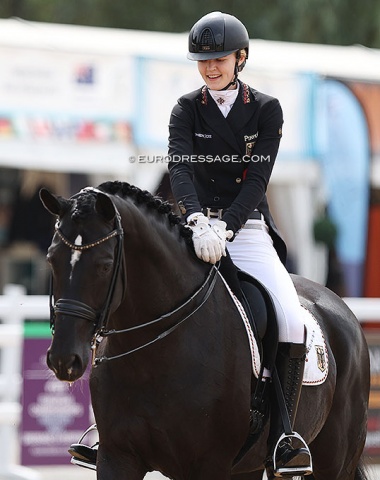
(86, 262)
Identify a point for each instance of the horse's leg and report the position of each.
(336, 451)
(361, 472)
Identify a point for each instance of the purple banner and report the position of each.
(55, 414)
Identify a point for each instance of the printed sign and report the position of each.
(55, 414)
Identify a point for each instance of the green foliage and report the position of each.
(325, 231)
(340, 22)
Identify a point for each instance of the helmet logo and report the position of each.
(207, 41)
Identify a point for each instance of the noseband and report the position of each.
(78, 309)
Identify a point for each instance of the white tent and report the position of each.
(87, 99)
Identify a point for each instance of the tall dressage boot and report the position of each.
(290, 455)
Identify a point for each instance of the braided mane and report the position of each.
(82, 206)
(124, 189)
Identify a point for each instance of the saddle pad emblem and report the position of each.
(321, 358)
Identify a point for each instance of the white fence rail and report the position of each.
(365, 309)
(15, 308)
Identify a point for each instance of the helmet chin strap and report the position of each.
(234, 80)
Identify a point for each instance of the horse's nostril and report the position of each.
(75, 365)
(68, 368)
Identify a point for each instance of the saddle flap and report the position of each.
(261, 303)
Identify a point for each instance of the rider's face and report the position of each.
(218, 72)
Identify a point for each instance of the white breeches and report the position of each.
(252, 250)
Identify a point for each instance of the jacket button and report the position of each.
(238, 180)
(216, 199)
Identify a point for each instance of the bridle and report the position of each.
(206, 289)
(79, 309)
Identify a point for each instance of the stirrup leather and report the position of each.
(291, 471)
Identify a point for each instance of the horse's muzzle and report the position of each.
(67, 368)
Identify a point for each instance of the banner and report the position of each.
(54, 413)
(64, 111)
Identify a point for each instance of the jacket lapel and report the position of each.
(226, 128)
(215, 119)
(242, 110)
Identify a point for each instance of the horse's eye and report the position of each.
(105, 268)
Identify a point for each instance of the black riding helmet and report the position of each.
(217, 35)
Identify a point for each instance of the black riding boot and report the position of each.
(290, 456)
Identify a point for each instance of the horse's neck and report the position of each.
(160, 270)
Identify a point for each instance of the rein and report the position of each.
(211, 280)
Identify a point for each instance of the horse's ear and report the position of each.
(53, 203)
(105, 207)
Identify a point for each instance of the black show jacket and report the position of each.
(225, 162)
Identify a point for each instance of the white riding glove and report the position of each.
(209, 241)
(219, 228)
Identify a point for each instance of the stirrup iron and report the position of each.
(90, 429)
(291, 471)
(78, 461)
(81, 463)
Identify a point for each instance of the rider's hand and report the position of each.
(209, 242)
(219, 228)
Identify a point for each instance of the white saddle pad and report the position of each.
(317, 361)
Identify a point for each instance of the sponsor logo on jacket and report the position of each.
(249, 138)
(203, 135)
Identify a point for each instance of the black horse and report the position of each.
(172, 376)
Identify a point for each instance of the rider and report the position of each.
(223, 142)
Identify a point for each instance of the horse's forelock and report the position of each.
(82, 205)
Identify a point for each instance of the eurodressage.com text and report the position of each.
(198, 158)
